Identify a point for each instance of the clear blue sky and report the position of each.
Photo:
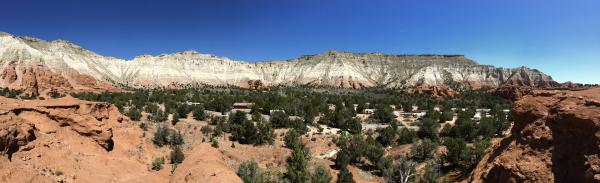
(561, 38)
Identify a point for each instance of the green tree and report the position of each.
(177, 155)
(465, 128)
(457, 150)
(175, 118)
(383, 114)
(387, 136)
(134, 114)
(249, 133)
(345, 176)
(486, 127)
(423, 150)
(354, 126)
(214, 143)
(207, 131)
(176, 138)
(292, 139)
(431, 174)
(199, 113)
(266, 134)
(342, 159)
(279, 119)
(237, 118)
(321, 175)
(297, 165)
(406, 136)
(447, 115)
(428, 129)
(249, 172)
(161, 136)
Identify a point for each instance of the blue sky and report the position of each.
(558, 37)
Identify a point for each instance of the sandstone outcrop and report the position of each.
(70, 140)
(555, 138)
(14, 134)
(205, 164)
(88, 119)
(80, 67)
(436, 91)
(512, 92)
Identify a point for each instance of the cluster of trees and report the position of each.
(164, 136)
(360, 151)
(364, 149)
(257, 131)
(10, 93)
(425, 142)
(343, 118)
(488, 127)
(249, 172)
(302, 102)
(298, 166)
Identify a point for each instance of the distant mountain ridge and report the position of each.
(35, 65)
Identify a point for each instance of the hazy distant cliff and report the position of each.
(34, 64)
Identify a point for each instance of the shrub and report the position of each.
(354, 126)
(157, 164)
(292, 140)
(177, 155)
(383, 114)
(175, 118)
(406, 136)
(297, 165)
(387, 136)
(175, 138)
(279, 119)
(428, 129)
(266, 134)
(161, 136)
(249, 171)
(320, 175)
(345, 176)
(199, 113)
(134, 114)
(214, 143)
(423, 150)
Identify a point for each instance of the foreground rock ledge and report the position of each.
(555, 138)
(71, 140)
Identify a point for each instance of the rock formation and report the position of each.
(204, 164)
(436, 91)
(555, 138)
(33, 64)
(70, 140)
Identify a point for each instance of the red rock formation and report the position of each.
(256, 84)
(555, 138)
(70, 140)
(512, 92)
(14, 133)
(36, 79)
(436, 91)
(86, 118)
(204, 164)
(9, 74)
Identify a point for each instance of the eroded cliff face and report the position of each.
(79, 67)
(555, 138)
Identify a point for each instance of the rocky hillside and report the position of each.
(36, 65)
(555, 138)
